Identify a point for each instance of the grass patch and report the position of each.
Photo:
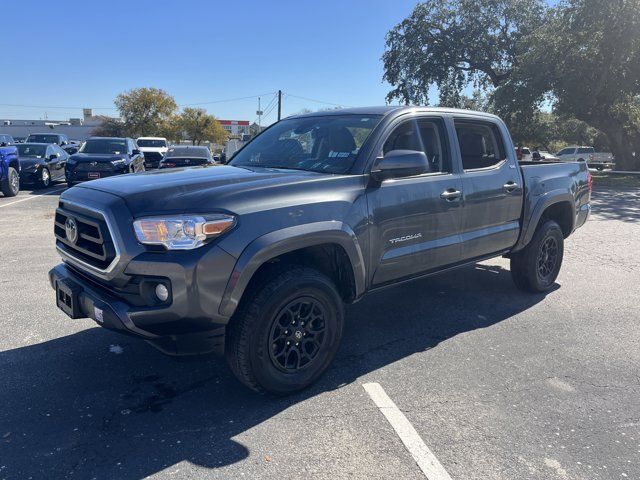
(615, 180)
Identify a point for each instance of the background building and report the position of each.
(236, 127)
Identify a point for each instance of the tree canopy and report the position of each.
(581, 58)
(198, 126)
(144, 110)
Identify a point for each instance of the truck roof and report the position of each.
(392, 109)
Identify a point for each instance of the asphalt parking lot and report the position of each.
(499, 384)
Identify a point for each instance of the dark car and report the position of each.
(19, 139)
(104, 157)
(41, 163)
(256, 259)
(58, 138)
(189, 156)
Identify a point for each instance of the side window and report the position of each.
(422, 135)
(59, 151)
(585, 150)
(49, 152)
(481, 145)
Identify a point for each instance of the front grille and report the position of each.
(94, 167)
(94, 244)
(153, 156)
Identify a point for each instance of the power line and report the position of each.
(315, 100)
(114, 108)
(226, 100)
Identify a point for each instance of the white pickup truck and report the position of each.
(154, 150)
(597, 160)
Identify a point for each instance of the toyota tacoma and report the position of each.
(256, 259)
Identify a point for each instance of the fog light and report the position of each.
(162, 292)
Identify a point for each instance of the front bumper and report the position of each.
(187, 324)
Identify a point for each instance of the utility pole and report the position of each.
(279, 104)
(259, 112)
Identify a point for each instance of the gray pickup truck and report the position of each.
(255, 259)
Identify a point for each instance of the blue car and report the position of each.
(9, 170)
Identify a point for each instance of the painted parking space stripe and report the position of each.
(31, 197)
(424, 457)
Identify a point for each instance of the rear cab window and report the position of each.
(481, 144)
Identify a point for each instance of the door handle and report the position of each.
(510, 186)
(451, 194)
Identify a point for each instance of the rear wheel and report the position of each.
(286, 331)
(536, 267)
(10, 185)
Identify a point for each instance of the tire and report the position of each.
(536, 267)
(10, 185)
(45, 178)
(256, 342)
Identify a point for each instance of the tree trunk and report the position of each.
(625, 149)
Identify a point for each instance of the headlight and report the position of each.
(120, 161)
(183, 232)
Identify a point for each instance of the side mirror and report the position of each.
(135, 151)
(3, 144)
(400, 163)
(53, 156)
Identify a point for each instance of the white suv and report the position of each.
(154, 150)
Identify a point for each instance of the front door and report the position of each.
(415, 221)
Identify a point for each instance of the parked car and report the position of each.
(59, 139)
(538, 155)
(9, 170)
(19, 139)
(189, 156)
(41, 163)
(257, 258)
(597, 160)
(154, 149)
(103, 157)
(72, 147)
(6, 140)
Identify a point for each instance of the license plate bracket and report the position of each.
(68, 298)
(93, 175)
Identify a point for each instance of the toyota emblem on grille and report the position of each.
(93, 164)
(71, 229)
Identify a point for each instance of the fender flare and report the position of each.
(545, 201)
(287, 240)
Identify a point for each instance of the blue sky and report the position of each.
(80, 53)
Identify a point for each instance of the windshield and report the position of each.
(320, 144)
(151, 143)
(191, 152)
(43, 139)
(37, 151)
(105, 146)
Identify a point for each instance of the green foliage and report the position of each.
(145, 110)
(581, 57)
(198, 126)
(454, 43)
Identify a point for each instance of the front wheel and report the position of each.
(286, 331)
(10, 185)
(45, 178)
(536, 267)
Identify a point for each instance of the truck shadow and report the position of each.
(99, 405)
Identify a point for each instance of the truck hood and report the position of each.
(208, 189)
(95, 157)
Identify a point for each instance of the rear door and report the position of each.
(492, 186)
(415, 221)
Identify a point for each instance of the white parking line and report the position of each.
(425, 459)
(31, 197)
